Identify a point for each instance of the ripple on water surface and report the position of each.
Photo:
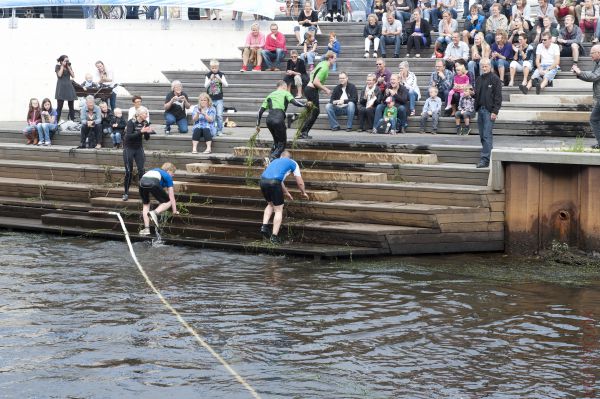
(77, 320)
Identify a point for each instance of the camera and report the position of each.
(68, 63)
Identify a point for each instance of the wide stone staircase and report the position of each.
(561, 110)
(365, 199)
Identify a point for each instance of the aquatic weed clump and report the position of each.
(560, 253)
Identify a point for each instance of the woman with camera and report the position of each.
(64, 88)
(176, 102)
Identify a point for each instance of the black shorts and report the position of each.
(152, 186)
(272, 191)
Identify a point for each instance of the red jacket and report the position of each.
(273, 44)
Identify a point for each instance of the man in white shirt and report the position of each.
(343, 102)
(547, 62)
(391, 32)
(455, 50)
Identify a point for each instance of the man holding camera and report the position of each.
(176, 103)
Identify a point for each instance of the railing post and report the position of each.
(13, 19)
(164, 25)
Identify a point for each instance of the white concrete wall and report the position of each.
(136, 50)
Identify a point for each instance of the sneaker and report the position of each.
(483, 164)
(523, 89)
(374, 131)
(366, 54)
(434, 132)
(265, 230)
(47, 143)
(458, 130)
(257, 69)
(154, 217)
(40, 143)
(538, 89)
(403, 130)
(375, 55)
(125, 197)
(145, 232)
(167, 131)
(305, 136)
(275, 240)
(466, 131)
(596, 147)
(266, 161)
(392, 131)
(244, 68)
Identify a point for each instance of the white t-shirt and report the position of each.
(395, 27)
(547, 55)
(131, 114)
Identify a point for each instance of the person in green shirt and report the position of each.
(318, 78)
(277, 103)
(390, 116)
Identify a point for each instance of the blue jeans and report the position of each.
(44, 130)
(116, 137)
(218, 104)
(412, 98)
(486, 135)
(393, 122)
(473, 67)
(182, 123)
(309, 58)
(436, 15)
(490, 38)
(403, 16)
(390, 40)
(333, 110)
(88, 11)
(595, 120)
(150, 12)
(497, 63)
(131, 12)
(277, 56)
(402, 122)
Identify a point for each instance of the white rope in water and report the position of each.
(181, 320)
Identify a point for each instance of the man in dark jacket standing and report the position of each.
(342, 102)
(488, 100)
(593, 76)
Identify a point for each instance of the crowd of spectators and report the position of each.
(503, 33)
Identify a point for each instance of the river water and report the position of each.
(78, 321)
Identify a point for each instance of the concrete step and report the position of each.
(531, 115)
(372, 212)
(111, 223)
(316, 251)
(531, 101)
(249, 191)
(363, 157)
(307, 174)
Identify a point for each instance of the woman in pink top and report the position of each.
(255, 41)
(461, 80)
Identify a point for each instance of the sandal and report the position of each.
(194, 152)
(207, 152)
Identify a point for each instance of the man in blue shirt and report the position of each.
(153, 182)
(274, 191)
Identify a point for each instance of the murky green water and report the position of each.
(78, 321)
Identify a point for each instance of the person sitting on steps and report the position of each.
(34, 117)
(252, 52)
(275, 48)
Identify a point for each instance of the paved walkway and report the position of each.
(409, 138)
